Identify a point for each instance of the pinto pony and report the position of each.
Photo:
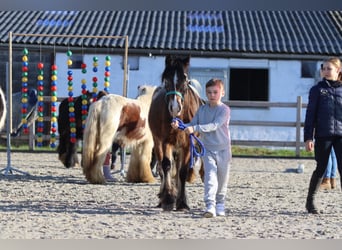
(3, 109)
(177, 98)
(115, 118)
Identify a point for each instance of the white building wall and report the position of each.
(284, 76)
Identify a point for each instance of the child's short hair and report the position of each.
(215, 82)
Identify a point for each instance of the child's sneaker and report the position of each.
(220, 210)
(210, 212)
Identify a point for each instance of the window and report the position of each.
(309, 69)
(77, 61)
(248, 84)
(132, 62)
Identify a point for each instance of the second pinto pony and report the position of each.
(115, 118)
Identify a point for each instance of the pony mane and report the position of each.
(175, 66)
(195, 86)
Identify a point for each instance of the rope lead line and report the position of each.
(193, 138)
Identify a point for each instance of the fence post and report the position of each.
(32, 136)
(298, 125)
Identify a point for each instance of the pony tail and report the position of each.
(90, 141)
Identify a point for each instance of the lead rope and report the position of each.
(193, 138)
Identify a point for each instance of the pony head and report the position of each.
(145, 91)
(175, 80)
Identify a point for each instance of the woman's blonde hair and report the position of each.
(337, 62)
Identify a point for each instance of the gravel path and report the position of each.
(266, 199)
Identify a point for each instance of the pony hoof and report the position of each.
(167, 207)
(183, 208)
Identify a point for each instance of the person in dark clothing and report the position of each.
(323, 125)
(329, 178)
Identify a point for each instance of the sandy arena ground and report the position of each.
(265, 200)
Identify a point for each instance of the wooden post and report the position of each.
(32, 139)
(298, 125)
(125, 83)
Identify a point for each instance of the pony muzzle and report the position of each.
(175, 107)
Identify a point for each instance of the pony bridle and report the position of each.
(175, 106)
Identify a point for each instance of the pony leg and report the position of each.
(93, 173)
(139, 169)
(168, 190)
(201, 171)
(133, 167)
(158, 152)
(123, 160)
(63, 148)
(183, 167)
(182, 203)
(115, 148)
(146, 174)
(154, 164)
(71, 159)
(191, 177)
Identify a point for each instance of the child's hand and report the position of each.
(174, 124)
(189, 130)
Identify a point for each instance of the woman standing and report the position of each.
(323, 122)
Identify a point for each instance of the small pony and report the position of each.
(115, 118)
(3, 109)
(178, 97)
(67, 150)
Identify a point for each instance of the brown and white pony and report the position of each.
(3, 109)
(177, 98)
(115, 118)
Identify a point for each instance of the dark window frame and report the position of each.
(249, 84)
(308, 69)
(77, 60)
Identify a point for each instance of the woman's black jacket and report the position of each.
(324, 111)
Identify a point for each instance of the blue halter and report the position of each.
(193, 138)
(174, 92)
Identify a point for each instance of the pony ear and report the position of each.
(168, 60)
(186, 60)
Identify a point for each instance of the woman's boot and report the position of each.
(325, 185)
(315, 183)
